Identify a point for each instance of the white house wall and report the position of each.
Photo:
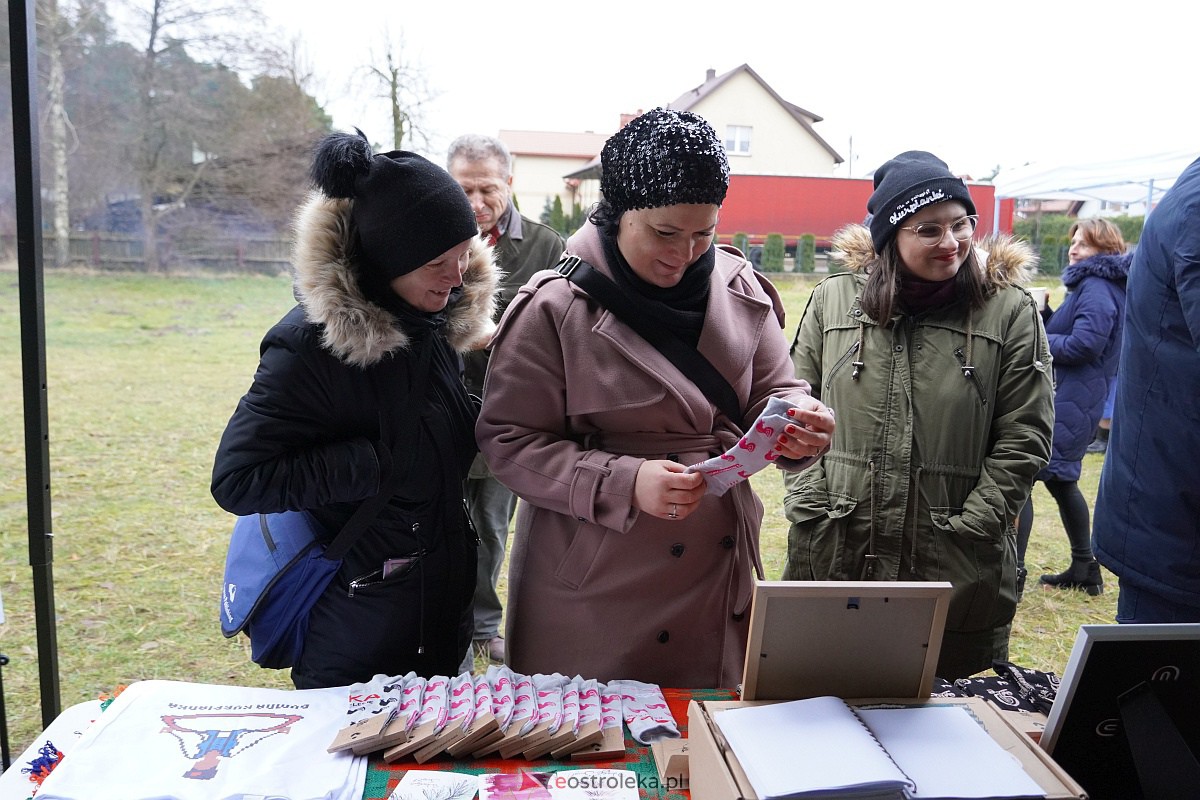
(779, 145)
(536, 178)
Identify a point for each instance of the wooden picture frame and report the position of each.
(848, 639)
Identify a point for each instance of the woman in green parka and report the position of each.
(936, 363)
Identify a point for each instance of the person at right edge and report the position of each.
(1147, 522)
(1085, 340)
(937, 364)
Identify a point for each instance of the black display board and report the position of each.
(1126, 721)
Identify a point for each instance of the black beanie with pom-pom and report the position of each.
(407, 210)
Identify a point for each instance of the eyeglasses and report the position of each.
(931, 234)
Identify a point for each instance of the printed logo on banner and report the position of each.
(208, 738)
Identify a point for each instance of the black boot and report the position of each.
(1083, 575)
(1100, 443)
(1022, 574)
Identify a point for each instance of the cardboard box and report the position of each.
(1030, 723)
(671, 759)
(717, 775)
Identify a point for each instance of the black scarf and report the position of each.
(918, 295)
(680, 308)
(426, 330)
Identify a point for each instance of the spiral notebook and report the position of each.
(823, 747)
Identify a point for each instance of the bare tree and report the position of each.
(167, 159)
(101, 119)
(266, 149)
(294, 62)
(402, 83)
(54, 29)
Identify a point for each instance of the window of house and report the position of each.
(737, 139)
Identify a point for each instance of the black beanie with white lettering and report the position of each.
(906, 184)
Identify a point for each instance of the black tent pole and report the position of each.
(26, 154)
(5, 756)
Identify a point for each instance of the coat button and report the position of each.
(727, 543)
(663, 636)
(899, 348)
(677, 550)
(673, 457)
(581, 519)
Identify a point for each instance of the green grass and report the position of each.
(143, 373)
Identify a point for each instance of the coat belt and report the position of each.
(747, 556)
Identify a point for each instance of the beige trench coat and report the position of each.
(574, 402)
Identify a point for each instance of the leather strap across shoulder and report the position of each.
(690, 361)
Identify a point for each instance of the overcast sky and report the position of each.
(981, 84)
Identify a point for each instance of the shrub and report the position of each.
(1037, 228)
(774, 252)
(1052, 252)
(554, 215)
(806, 253)
(1055, 229)
(1131, 227)
(558, 220)
(742, 242)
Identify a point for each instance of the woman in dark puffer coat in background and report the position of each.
(1085, 341)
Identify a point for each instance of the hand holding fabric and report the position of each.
(666, 489)
(796, 430)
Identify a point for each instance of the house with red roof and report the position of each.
(781, 168)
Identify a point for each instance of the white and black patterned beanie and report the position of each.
(407, 210)
(664, 158)
(906, 184)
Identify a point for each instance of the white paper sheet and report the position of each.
(947, 754)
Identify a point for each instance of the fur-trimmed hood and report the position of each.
(1110, 266)
(356, 330)
(1006, 261)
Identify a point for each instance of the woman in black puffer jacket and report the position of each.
(358, 391)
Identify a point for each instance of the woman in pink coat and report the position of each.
(624, 565)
